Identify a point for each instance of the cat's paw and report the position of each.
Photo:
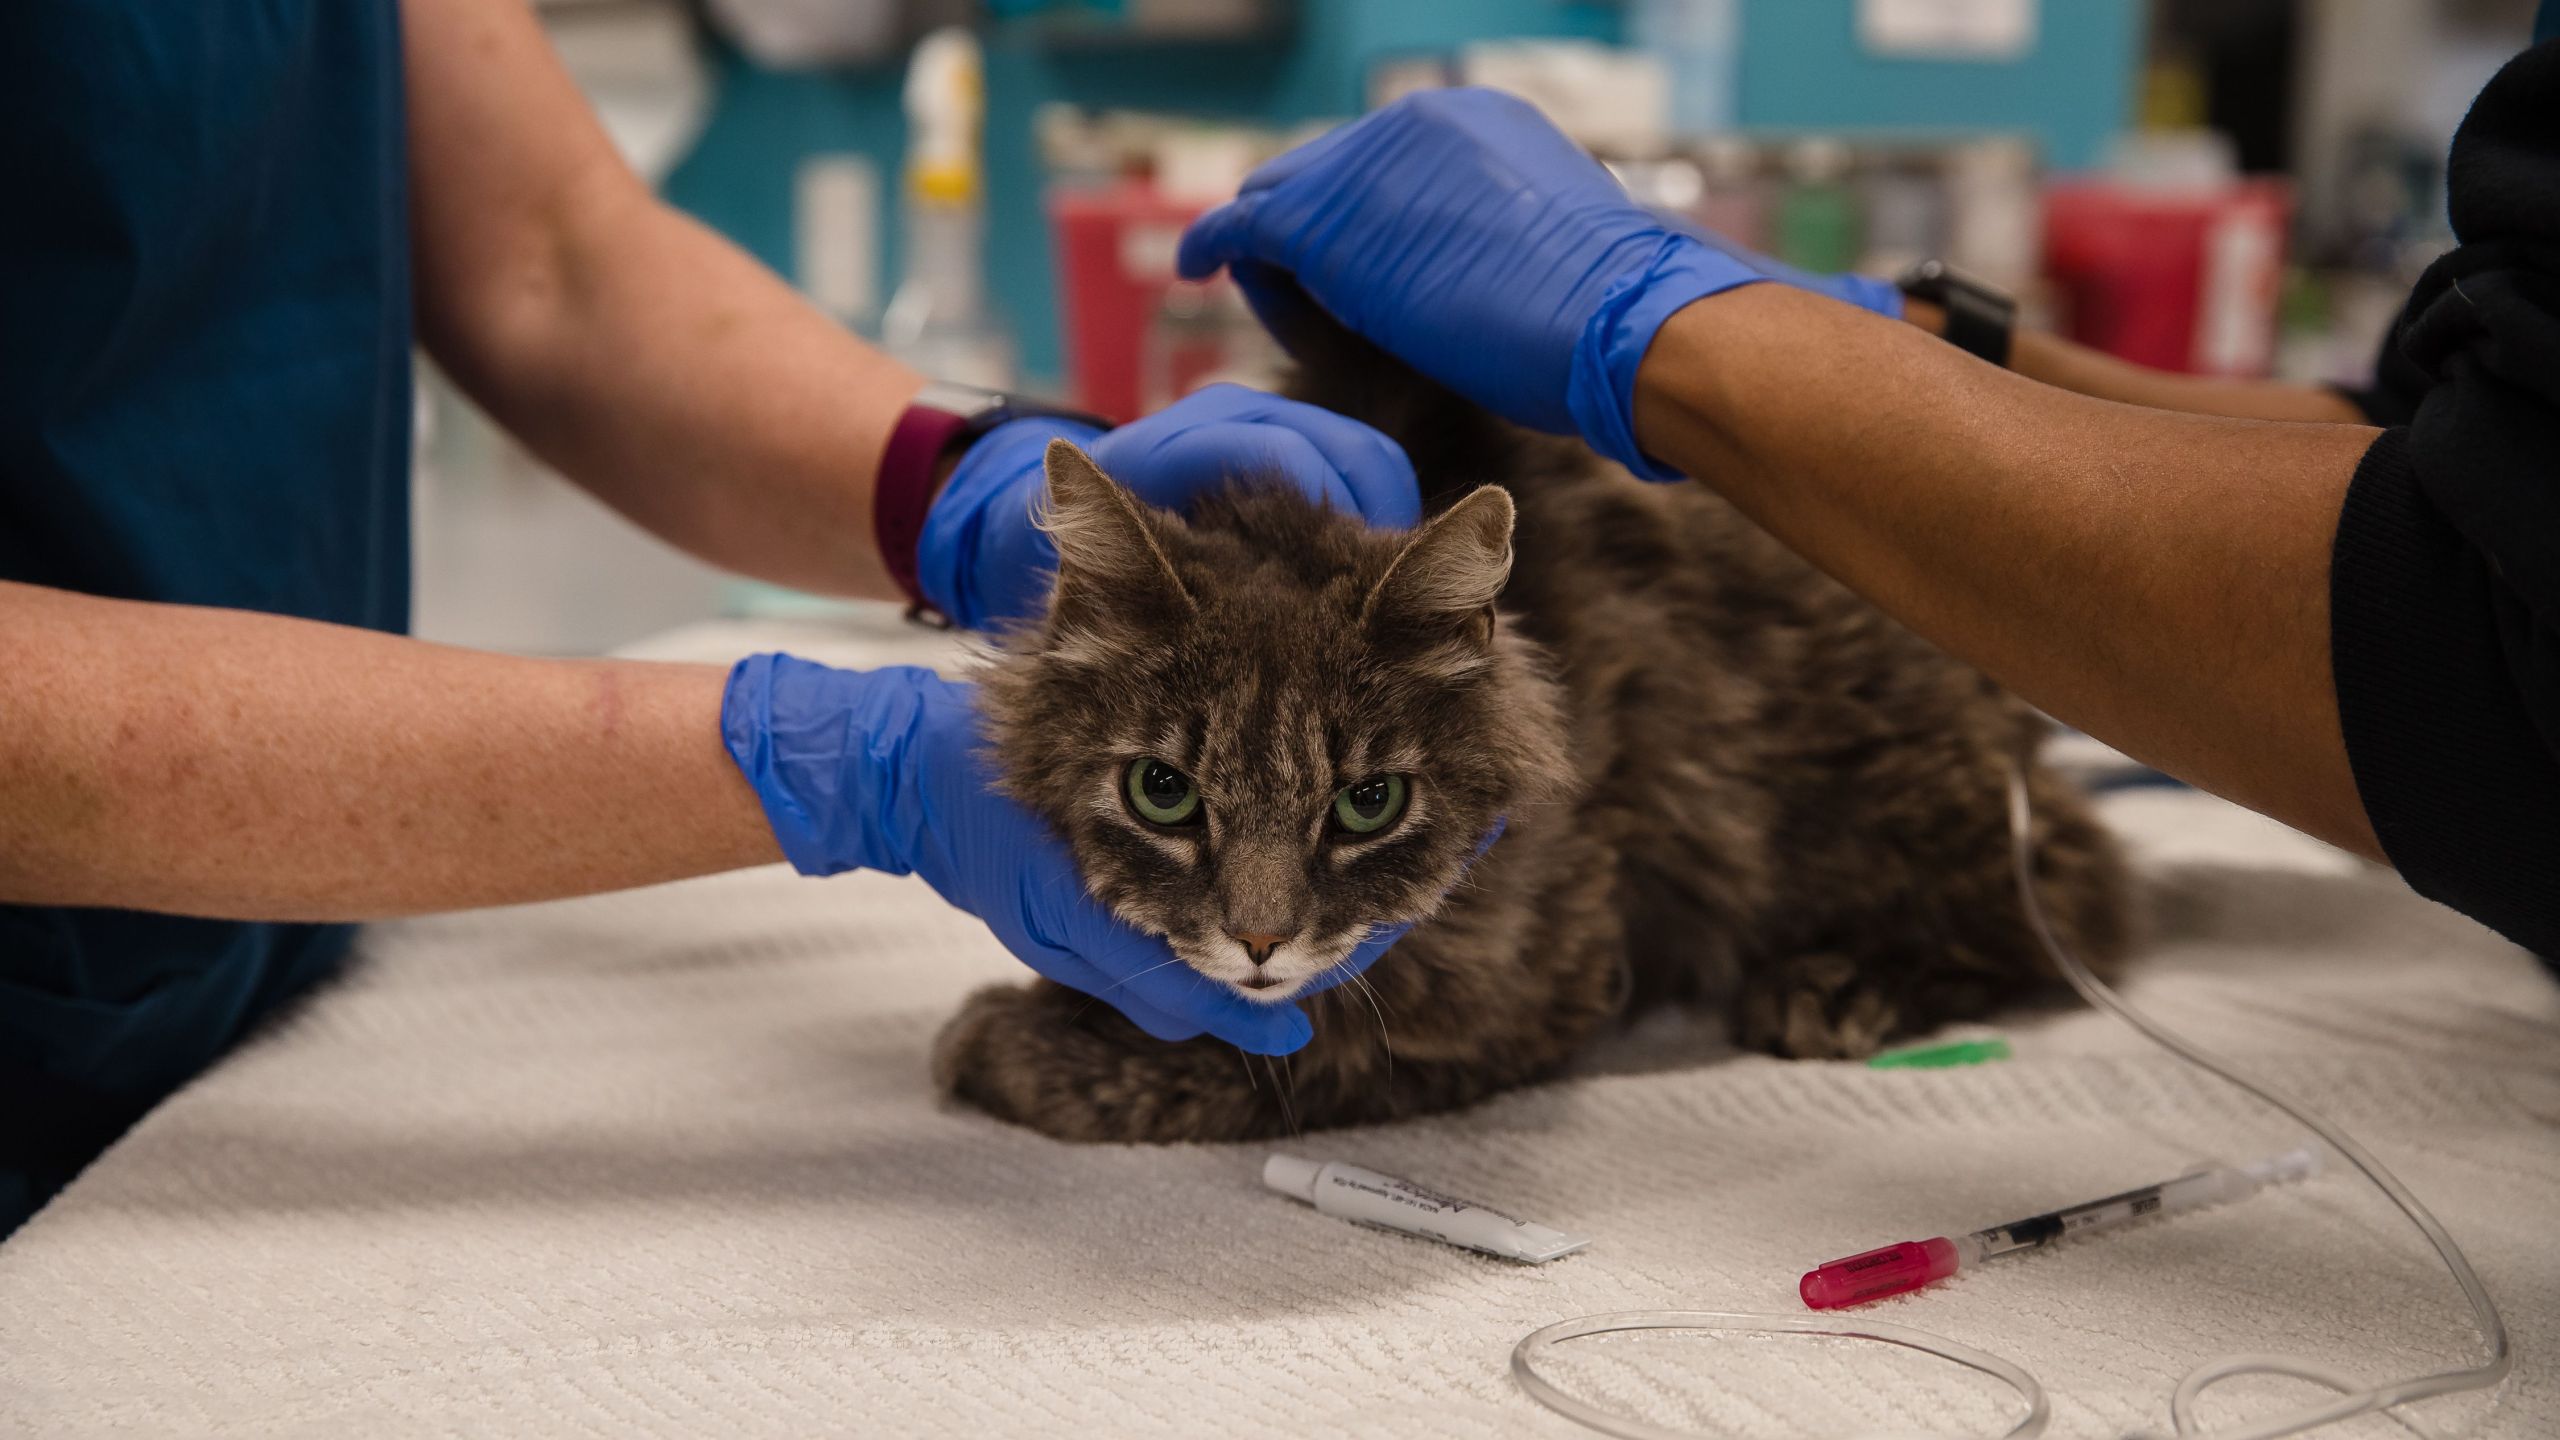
(999, 1054)
(1814, 1007)
(1067, 1066)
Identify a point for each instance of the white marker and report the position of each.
(1365, 1197)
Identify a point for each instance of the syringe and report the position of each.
(1914, 1263)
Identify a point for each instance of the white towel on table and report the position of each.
(667, 1163)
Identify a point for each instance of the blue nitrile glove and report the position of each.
(883, 770)
(983, 559)
(1867, 292)
(1466, 235)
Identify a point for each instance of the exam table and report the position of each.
(668, 1163)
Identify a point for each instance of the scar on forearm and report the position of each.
(607, 701)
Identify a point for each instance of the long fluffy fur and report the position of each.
(1729, 783)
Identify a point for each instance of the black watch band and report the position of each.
(942, 420)
(1981, 318)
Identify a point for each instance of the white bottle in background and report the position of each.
(1700, 44)
(1996, 212)
(938, 319)
(835, 214)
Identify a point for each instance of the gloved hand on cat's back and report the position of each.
(983, 559)
(882, 770)
(1465, 235)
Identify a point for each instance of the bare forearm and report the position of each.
(653, 362)
(216, 762)
(2160, 580)
(694, 393)
(2083, 371)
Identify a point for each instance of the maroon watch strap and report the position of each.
(903, 491)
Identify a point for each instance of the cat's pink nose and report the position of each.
(1260, 943)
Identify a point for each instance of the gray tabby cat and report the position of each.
(1265, 729)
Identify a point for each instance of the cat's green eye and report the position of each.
(1370, 806)
(1161, 794)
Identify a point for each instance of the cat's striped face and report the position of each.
(1269, 731)
(1262, 826)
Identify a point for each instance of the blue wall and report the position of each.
(1801, 67)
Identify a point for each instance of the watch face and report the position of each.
(964, 400)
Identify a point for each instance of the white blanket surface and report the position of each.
(668, 1163)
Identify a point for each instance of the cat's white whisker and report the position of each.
(1096, 997)
(1289, 1074)
(1125, 979)
(1369, 993)
(1288, 1112)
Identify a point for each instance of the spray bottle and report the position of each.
(938, 319)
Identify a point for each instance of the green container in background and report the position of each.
(1819, 225)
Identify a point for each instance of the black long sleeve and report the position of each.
(2445, 576)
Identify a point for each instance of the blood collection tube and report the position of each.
(1910, 1264)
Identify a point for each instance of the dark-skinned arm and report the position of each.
(2094, 373)
(2161, 579)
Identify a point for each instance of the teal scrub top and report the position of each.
(204, 398)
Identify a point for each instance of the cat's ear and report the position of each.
(1451, 570)
(1109, 560)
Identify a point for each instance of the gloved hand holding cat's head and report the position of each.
(1268, 731)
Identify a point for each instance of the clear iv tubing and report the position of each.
(2182, 1405)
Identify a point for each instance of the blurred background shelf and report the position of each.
(2291, 149)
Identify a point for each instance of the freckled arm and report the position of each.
(216, 762)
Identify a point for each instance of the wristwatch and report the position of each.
(1981, 317)
(943, 420)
